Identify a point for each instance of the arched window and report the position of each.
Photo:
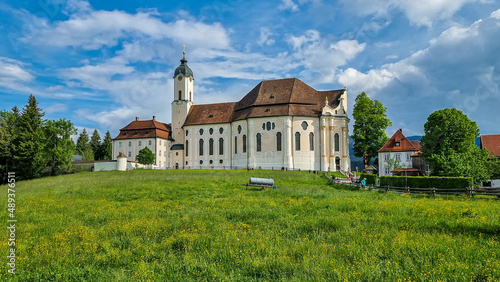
(278, 141)
(259, 142)
(304, 125)
(201, 131)
(201, 147)
(211, 131)
(221, 130)
(187, 147)
(244, 143)
(297, 141)
(337, 142)
(190, 96)
(311, 141)
(210, 147)
(221, 146)
(235, 145)
(180, 95)
(268, 125)
(239, 129)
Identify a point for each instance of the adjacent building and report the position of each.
(400, 156)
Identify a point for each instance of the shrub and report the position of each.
(370, 178)
(426, 182)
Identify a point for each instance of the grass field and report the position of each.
(204, 225)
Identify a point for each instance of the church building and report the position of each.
(279, 124)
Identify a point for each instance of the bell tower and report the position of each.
(183, 98)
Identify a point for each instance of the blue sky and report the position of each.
(100, 64)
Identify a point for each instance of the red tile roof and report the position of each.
(492, 143)
(404, 144)
(280, 97)
(144, 129)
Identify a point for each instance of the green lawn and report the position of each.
(204, 225)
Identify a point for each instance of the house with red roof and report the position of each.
(405, 153)
(139, 134)
(491, 143)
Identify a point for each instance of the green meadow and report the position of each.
(190, 225)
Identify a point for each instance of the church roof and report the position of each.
(492, 143)
(404, 144)
(144, 129)
(280, 97)
(183, 68)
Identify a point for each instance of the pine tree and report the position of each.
(83, 146)
(106, 148)
(29, 141)
(95, 143)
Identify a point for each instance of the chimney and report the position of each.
(154, 117)
(136, 118)
(401, 130)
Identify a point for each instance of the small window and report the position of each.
(408, 157)
(125, 133)
(304, 125)
(136, 132)
(210, 162)
(186, 162)
(147, 131)
(201, 147)
(244, 143)
(140, 143)
(129, 154)
(259, 142)
(176, 153)
(149, 142)
(221, 161)
(201, 131)
(278, 141)
(268, 126)
(130, 143)
(187, 148)
(239, 129)
(274, 125)
(386, 157)
(398, 157)
(211, 131)
(187, 132)
(397, 144)
(221, 146)
(119, 144)
(337, 142)
(159, 153)
(387, 170)
(297, 141)
(211, 147)
(160, 142)
(235, 145)
(201, 162)
(221, 130)
(264, 126)
(311, 141)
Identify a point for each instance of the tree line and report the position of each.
(33, 147)
(448, 144)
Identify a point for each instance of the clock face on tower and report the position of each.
(179, 77)
(190, 79)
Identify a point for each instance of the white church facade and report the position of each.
(280, 124)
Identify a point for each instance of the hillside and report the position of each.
(204, 225)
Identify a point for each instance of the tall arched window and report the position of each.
(187, 148)
(244, 143)
(210, 147)
(180, 95)
(221, 146)
(311, 141)
(278, 141)
(201, 147)
(235, 145)
(297, 141)
(259, 142)
(337, 142)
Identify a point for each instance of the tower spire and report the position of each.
(184, 49)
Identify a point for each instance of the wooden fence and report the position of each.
(469, 191)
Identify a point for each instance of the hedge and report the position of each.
(370, 178)
(426, 182)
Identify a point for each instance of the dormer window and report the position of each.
(271, 97)
(210, 116)
(397, 144)
(124, 133)
(137, 132)
(147, 131)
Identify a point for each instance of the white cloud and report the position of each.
(13, 75)
(420, 13)
(55, 108)
(288, 5)
(320, 55)
(264, 39)
(459, 69)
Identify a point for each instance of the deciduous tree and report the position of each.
(448, 146)
(59, 147)
(369, 127)
(145, 156)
